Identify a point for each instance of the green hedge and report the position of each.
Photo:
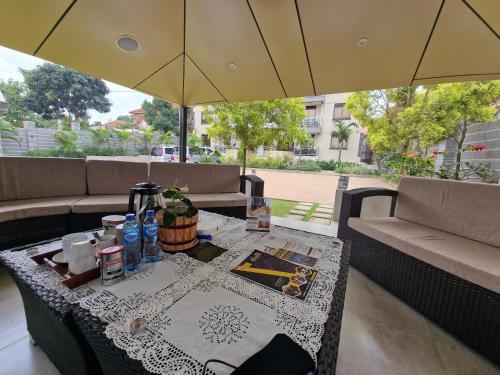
(86, 151)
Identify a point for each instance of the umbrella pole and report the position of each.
(182, 133)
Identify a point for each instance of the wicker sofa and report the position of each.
(42, 198)
(439, 251)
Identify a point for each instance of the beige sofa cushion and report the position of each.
(101, 203)
(470, 260)
(30, 177)
(470, 210)
(200, 178)
(218, 200)
(114, 176)
(26, 208)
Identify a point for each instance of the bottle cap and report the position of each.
(130, 217)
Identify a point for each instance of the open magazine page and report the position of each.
(290, 248)
(277, 274)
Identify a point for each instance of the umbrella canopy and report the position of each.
(204, 51)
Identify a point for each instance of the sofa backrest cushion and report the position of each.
(37, 177)
(114, 176)
(200, 178)
(470, 210)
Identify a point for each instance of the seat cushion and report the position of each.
(114, 176)
(467, 209)
(101, 203)
(31, 177)
(200, 178)
(218, 200)
(26, 208)
(468, 259)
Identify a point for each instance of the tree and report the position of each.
(146, 137)
(160, 115)
(343, 132)
(100, 136)
(55, 92)
(127, 122)
(257, 123)
(7, 131)
(193, 139)
(166, 137)
(461, 104)
(125, 137)
(66, 140)
(14, 93)
(398, 119)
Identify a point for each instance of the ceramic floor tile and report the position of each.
(319, 220)
(294, 217)
(23, 358)
(368, 347)
(457, 358)
(373, 302)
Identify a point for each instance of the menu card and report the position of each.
(277, 274)
(259, 214)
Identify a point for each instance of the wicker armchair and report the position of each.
(466, 310)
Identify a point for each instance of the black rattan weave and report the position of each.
(466, 310)
(51, 325)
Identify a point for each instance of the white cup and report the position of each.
(81, 257)
(67, 240)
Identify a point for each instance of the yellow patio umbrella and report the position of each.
(205, 51)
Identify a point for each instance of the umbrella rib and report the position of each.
(481, 18)
(428, 41)
(157, 70)
(54, 27)
(305, 46)
(267, 49)
(158, 96)
(459, 75)
(208, 79)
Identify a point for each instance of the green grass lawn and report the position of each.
(281, 207)
(311, 211)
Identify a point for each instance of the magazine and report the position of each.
(259, 214)
(277, 274)
(292, 249)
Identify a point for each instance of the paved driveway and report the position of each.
(309, 187)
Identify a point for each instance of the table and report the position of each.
(198, 311)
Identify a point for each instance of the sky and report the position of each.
(122, 98)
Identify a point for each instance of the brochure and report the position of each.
(292, 249)
(259, 214)
(277, 274)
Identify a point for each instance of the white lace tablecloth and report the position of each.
(199, 311)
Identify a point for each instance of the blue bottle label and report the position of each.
(150, 230)
(131, 236)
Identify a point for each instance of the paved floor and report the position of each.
(310, 187)
(380, 335)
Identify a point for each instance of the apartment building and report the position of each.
(321, 115)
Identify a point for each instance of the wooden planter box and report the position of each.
(181, 236)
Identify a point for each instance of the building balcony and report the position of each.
(312, 125)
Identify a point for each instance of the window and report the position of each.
(310, 111)
(204, 118)
(334, 142)
(340, 112)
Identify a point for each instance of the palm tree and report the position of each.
(100, 136)
(166, 137)
(7, 131)
(66, 140)
(125, 137)
(343, 133)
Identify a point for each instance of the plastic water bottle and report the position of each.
(132, 243)
(150, 238)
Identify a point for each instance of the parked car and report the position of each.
(163, 152)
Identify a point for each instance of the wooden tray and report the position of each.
(71, 281)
